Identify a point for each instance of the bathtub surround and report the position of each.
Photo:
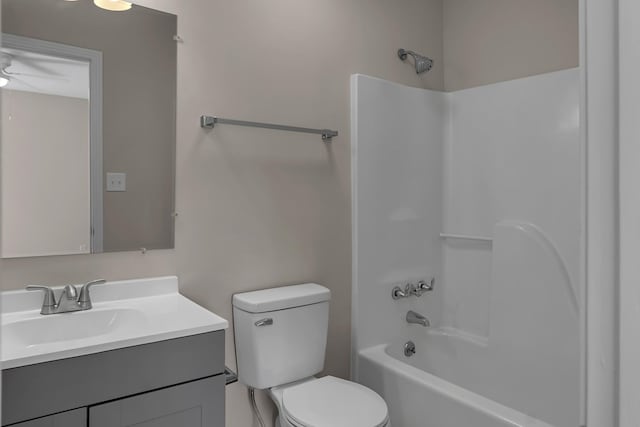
(397, 153)
(504, 312)
(502, 137)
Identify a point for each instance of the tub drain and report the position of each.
(409, 348)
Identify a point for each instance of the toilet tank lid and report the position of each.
(281, 298)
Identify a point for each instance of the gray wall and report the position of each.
(44, 174)
(488, 41)
(139, 57)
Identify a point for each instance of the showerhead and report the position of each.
(422, 63)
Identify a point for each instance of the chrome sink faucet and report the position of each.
(417, 318)
(70, 299)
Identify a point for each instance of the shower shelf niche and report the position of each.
(466, 237)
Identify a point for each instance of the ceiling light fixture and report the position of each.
(113, 5)
(4, 80)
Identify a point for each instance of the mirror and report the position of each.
(87, 145)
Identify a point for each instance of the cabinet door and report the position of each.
(195, 404)
(76, 418)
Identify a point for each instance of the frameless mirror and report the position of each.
(88, 128)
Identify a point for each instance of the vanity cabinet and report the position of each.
(76, 418)
(176, 382)
(196, 404)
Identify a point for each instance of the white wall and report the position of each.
(601, 58)
(45, 174)
(629, 156)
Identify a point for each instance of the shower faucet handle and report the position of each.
(397, 292)
(424, 286)
(413, 289)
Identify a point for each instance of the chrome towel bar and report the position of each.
(230, 377)
(209, 122)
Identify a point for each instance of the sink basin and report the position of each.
(124, 314)
(71, 326)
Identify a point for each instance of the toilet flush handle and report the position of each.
(264, 322)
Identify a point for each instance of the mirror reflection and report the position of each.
(88, 128)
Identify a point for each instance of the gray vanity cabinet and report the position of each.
(196, 404)
(77, 418)
(173, 383)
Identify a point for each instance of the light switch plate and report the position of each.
(116, 181)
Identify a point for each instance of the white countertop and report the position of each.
(124, 314)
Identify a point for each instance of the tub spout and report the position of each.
(417, 318)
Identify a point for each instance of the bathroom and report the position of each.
(254, 208)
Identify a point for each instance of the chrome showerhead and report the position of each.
(422, 63)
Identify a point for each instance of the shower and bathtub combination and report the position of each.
(466, 250)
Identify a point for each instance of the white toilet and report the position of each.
(281, 337)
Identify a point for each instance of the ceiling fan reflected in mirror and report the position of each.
(7, 75)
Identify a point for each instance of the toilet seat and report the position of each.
(333, 402)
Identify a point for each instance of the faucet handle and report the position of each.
(95, 282)
(424, 286)
(397, 293)
(49, 301)
(84, 300)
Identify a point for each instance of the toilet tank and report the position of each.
(280, 334)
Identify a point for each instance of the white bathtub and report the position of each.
(417, 398)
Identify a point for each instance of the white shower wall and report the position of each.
(397, 215)
(426, 162)
(500, 161)
(512, 153)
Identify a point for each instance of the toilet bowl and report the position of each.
(281, 337)
(329, 402)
